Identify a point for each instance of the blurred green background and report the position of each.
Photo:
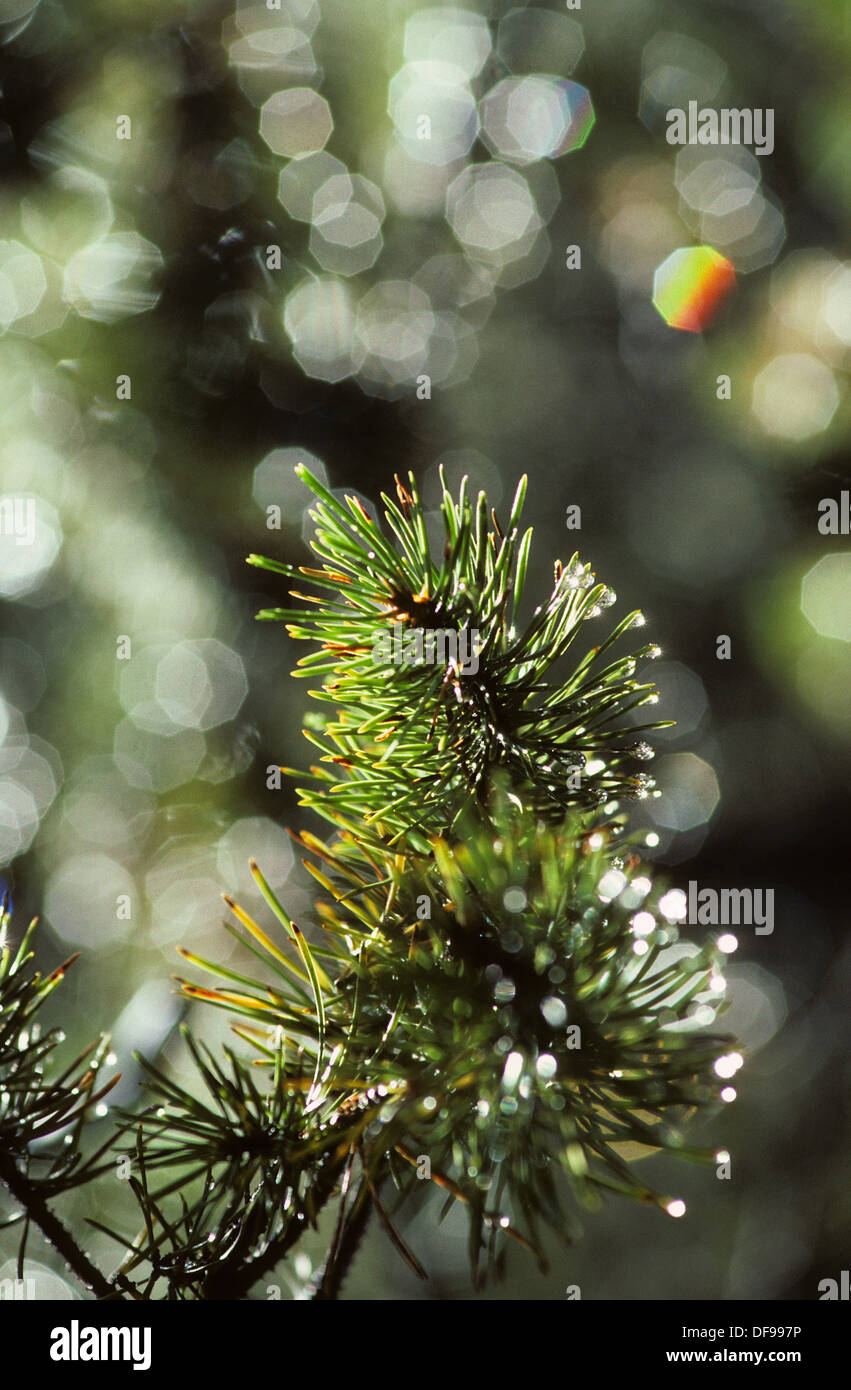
(289, 265)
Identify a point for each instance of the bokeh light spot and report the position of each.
(301, 180)
(276, 484)
(319, 317)
(448, 35)
(795, 396)
(39, 1282)
(22, 282)
(347, 214)
(111, 278)
(184, 891)
(72, 209)
(158, 761)
(826, 596)
(676, 69)
(538, 40)
(296, 121)
(492, 211)
(536, 117)
(81, 900)
(30, 540)
(690, 286)
(259, 838)
(690, 792)
(394, 327)
(434, 112)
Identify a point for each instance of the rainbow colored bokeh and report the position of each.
(690, 286)
(579, 110)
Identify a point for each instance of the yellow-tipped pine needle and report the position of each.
(265, 941)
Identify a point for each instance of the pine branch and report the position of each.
(488, 1000)
(234, 1279)
(415, 741)
(34, 1107)
(333, 1275)
(495, 991)
(53, 1230)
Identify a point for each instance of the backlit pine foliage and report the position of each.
(487, 1004)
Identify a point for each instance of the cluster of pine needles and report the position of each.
(492, 1004)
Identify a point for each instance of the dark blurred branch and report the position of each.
(338, 1264)
(53, 1229)
(234, 1278)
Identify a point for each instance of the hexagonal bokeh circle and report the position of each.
(536, 117)
(300, 181)
(296, 121)
(449, 34)
(319, 318)
(690, 286)
(826, 596)
(492, 211)
(433, 111)
(795, 396)
(348, 211)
